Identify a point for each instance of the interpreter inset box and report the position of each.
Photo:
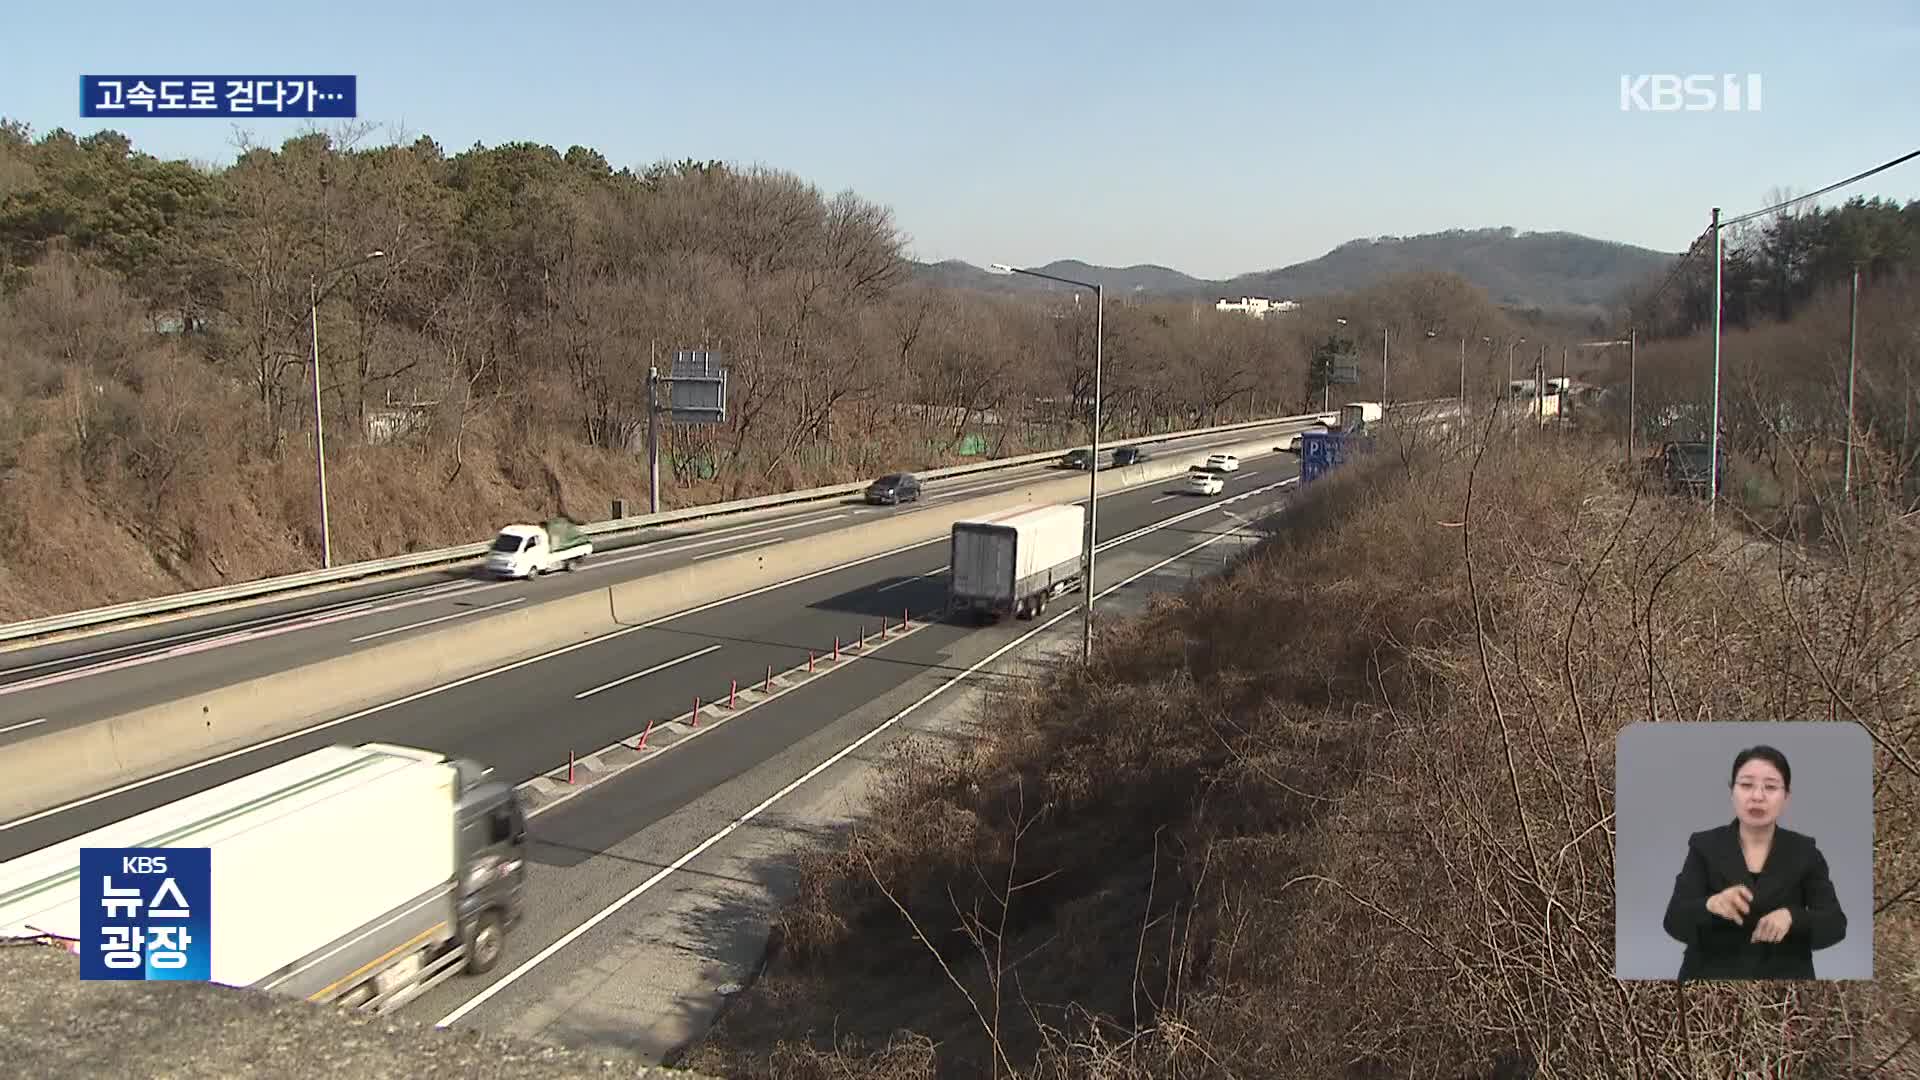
(1743, 851)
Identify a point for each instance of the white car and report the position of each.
(1204, 481)
(1222, 463)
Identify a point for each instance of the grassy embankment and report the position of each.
(1348, 811)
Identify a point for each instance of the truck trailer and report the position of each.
(357, 875)
(1015, 562)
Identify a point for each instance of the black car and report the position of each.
(1082, 459)
(1684, 466)
(1131, 455)
(894, 489)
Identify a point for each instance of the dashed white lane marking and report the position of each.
(643, 674)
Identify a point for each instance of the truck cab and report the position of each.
(492, 849)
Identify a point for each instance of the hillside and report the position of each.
(1557, 272)
(490, 365)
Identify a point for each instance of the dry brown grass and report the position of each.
(1347, 812)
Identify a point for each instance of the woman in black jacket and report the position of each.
(1754, 899)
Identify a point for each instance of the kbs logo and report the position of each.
(1689, 93)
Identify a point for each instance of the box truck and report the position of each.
(1016, 561)
(358, 875)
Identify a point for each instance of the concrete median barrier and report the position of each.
(69, 763)
(661, 595)
(74, 762)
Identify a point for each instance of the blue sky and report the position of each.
(1216, 139)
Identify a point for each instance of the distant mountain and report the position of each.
(1553, 271)
(1145, 278)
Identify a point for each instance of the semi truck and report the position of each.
(527, 551)
(1015, 562)
(361, 876)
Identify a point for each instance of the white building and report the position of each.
(1256, 306)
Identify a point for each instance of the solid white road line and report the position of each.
(26, 724)
(441, 619)
(643, 674)
(310, 729)
(227, 628)
(226, 638)
(661, 875)
(680, 863)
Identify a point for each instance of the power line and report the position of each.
(1694, 247)
(1679, 265)
(1724, 222)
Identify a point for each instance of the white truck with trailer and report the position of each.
(357, 875)
(1016, 561)
(527, 551)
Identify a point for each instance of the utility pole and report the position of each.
(1566, 390)
(1633, 373)
(319, 427)
(1463, 371)
(1540, 388)
(1853, 345)
(1713, 436)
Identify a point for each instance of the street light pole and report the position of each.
(319, 425)
(319, 428)
(1093, 472)
(1093, 460)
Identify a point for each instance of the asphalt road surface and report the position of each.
(524, 718)
(650, 893)
(84, 679)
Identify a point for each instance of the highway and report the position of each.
(84, 679)
(650, 898)
(525, 718)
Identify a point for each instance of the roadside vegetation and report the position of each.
(1346, 810)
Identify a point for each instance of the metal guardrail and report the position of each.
(447, 556)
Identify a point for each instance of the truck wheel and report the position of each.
(484, 948)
